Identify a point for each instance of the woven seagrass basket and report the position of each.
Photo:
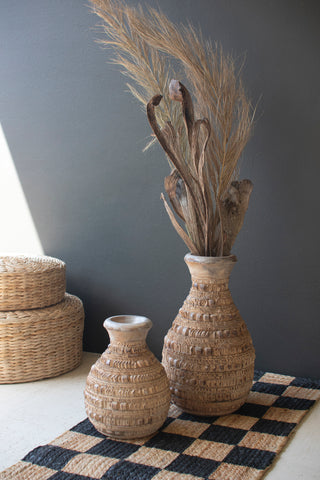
(41, 343)
(31, 282)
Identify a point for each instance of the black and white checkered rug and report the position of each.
(240, 446)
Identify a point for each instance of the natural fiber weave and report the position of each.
(41, 343)
(239, 446)
(28, 282)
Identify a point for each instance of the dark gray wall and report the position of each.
(76, 137)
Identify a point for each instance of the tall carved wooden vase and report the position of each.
(208, 353)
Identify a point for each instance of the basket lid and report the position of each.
(29, 263)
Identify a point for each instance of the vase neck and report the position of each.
(128, 328)
(210, 269)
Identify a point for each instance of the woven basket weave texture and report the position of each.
(28, 282)
(41, 343)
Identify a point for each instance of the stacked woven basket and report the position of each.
(41, 326)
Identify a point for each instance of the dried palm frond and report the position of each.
(203, 154)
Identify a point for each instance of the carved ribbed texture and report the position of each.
(208, 353)
(127, 392)
(28, 282)
(41, 343)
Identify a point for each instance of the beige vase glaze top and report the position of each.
(127, 391)
(208, 353)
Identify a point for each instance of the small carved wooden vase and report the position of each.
(127, 391)
(208, 353)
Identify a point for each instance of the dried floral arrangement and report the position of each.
(203, 138)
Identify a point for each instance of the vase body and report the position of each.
(208, 353)
(127, 391)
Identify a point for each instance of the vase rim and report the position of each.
(127, 322)
(189, 258)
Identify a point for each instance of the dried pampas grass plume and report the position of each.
(202, 131)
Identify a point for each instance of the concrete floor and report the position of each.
(33, 414)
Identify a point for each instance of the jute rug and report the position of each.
(241, 446)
